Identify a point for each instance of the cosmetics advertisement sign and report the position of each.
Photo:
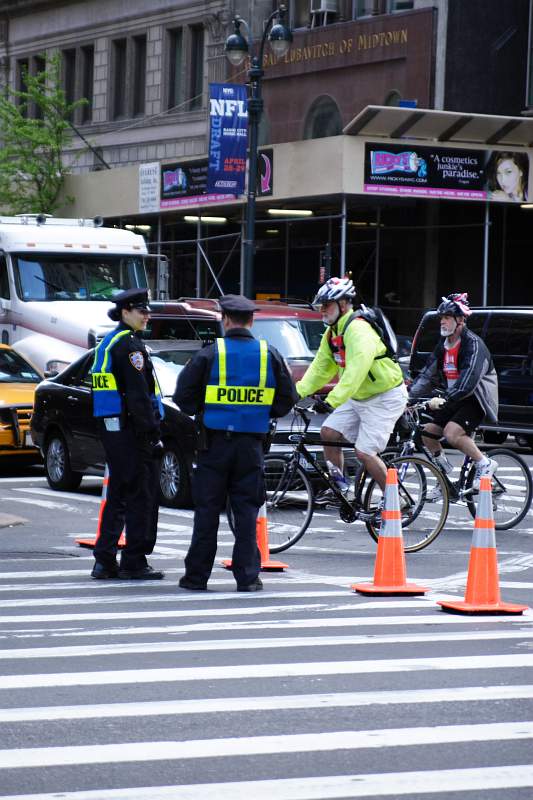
(457, 174)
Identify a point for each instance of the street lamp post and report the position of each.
(236, 49)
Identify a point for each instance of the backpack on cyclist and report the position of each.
(379, 322)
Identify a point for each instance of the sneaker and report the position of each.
(484, 471)
(434, 494)
(256, 586)
(327, 498)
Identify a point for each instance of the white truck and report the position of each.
(58, 278)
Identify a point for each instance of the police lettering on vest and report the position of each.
(241, 387)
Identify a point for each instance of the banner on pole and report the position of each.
(228, 137)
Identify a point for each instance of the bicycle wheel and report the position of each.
(424, 501)
(512, 489)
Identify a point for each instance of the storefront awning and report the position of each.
(392, 122)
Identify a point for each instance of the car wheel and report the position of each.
(59, 474)
(174, 484)
(494, 437)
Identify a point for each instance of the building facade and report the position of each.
(145, 68)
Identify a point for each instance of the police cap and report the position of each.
(237, 303)
(130, 298)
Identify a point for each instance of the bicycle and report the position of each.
(512, 485)
(290, 482)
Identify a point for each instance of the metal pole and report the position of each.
(198, 258)
(342, 266)
(486, 253)
(287, 232)
(159, 282)
(255, 107)
(377, 255)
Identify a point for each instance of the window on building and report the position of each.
(22, 83)
(139, 75)
(323, 119)
(175, 88)
(300, 12)
(87, 82)
(69, 75)
(38, 67)
(197, 67)
(119, 51)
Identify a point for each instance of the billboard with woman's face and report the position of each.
(507, 176)
(446, 173)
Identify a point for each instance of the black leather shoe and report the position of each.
(186, 583)
(146, 573)
(103, 573)
(256, 586)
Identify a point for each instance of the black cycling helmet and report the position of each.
(456, 304)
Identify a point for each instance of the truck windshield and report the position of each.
(46, 277)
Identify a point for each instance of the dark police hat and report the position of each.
(131, 298)
(237, 303)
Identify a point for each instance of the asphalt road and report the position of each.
(121, 691)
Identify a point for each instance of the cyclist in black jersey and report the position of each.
(461, 368)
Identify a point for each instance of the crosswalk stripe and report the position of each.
(466, 694)
(114, 649)
(331, 787)
(262, 745)
(256, 625)
(279, 670)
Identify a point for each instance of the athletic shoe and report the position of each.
(484, 471)
(434, 494)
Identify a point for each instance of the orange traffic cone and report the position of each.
(482, 587)
(389, 570)
(91, 542)
(261, 529)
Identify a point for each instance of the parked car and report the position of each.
(508, 333)
(18, 381)
(66, 432)
(294, 329)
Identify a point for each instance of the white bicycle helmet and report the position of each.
(335, 289)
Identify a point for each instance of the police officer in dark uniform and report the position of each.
(234, 386)
(127, 403)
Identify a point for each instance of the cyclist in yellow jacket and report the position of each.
(370, 395)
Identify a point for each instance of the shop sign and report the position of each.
(149, 188)
(438, 172)
(185, 185)
(228, 137)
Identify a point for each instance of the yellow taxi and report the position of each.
(18, 380)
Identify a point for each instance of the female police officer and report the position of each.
(127, 402)
(236, 384)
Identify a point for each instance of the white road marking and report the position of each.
(466, 694)
(267, 643)
(331, 787)
(262, 745)
(280, 670)
(268, 625)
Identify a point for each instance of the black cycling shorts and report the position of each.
(467, 413)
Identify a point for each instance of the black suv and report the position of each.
(508, 333)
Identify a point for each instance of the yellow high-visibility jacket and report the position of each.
(365, 374)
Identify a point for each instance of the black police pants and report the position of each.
(231, 467)
(132, 500)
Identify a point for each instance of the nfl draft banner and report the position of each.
(228, 136)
